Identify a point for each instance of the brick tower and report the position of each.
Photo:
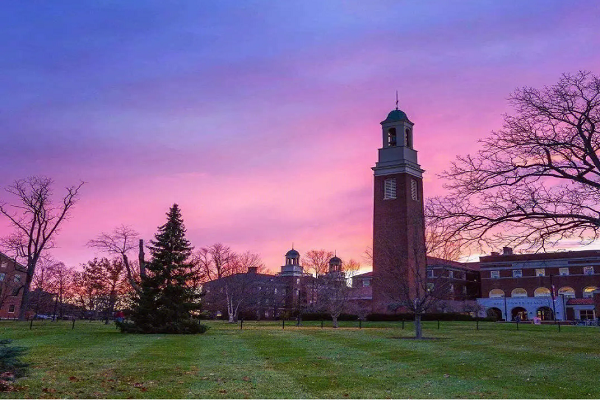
(398, 220)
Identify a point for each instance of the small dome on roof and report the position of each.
(292, 254)
(396, 115)
(335, 260)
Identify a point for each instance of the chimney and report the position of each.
(252, 270)
(507, 251)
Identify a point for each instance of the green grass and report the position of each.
(264, 361)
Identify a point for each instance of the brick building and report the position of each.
(398, 218)
(260, 295)
(545, 285)
(12, 279)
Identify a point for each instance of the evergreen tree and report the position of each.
(167, 296)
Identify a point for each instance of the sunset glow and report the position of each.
(260, 119)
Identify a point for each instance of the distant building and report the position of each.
(544, 285)
(12, 281)
(260, 295)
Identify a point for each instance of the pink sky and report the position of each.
(261, 120)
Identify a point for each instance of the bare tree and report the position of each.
(60, 283)
(317, 261)
(229, 272)
(120, 242)
(537, 180)
(36, 220)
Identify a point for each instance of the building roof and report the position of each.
(435, 261)
(395, 116)
(540, 256)
(580, 302)
(365, 275)
(292, 254)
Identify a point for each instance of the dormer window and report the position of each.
(408, 138)
(391, 137)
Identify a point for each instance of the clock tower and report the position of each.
(399, 255)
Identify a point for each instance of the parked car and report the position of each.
(42, 316)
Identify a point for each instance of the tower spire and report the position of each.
(396, 99)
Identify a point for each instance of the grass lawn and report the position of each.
(264, 361)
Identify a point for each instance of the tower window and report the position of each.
(391, 137)
(407, 138)
(414, 190)
(389, 189)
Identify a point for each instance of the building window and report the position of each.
(563, 271)
(542, 292)
(589, 291)
(297, 281)
(4, 264)
(430, 286)
(17, 278)
(494, 274)
(450, 274)
(391, 137)
(540, 272)
(430, 274)
(11, 308)
(2, 275)
(366, 282)
(517, 273)
(464, 290)
(518, 292)
(586, 314)
(588, 270)
(389, 189)
(414, 190)
(407, 138)
(496, 293)
(567, 292)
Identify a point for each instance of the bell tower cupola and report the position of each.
(397, 153)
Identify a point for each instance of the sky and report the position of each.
(260, 118)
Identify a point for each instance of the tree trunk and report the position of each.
(25, 297)
(418, 327)
(335, 321)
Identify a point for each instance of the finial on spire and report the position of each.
(396, 99)
(292, 245)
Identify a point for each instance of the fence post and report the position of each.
(477, 324)
(73, 327)
(402, 324)
(360, 324)
(242, 323)
(282, 323)
(559, 326)
(31, 324)
(438, 324)
(321, 324)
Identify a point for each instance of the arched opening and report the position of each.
(518, 314)
(589, 291)
(496, 293)
(408, 138)
(391, 137)
(518, 292)
(541, 292)
(545, 314)
(567, 292)
(494, 313)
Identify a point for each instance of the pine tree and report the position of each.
(167, 298)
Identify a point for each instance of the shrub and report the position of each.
(188, 326)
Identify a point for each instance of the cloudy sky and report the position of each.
(260, 118)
